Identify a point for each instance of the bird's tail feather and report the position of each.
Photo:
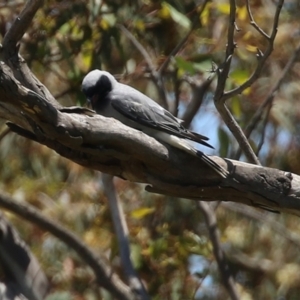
(216, 167)
(184, 145)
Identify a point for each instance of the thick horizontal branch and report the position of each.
(107, 145)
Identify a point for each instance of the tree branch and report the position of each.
(21, 268)
(104, 275)
(184, 39)
(222, 96)
(156, 76)
(219, 97)
(214, 235)
(262, 57)
(121, 231)
(19, 26)
(269, 99)
(199, 90)
(267, 103)
(106, 145)
(9, 51)
(267, 220)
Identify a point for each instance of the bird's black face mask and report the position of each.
(97, 93)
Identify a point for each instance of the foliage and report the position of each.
(69, 38)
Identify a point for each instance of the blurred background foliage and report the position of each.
(170, 245)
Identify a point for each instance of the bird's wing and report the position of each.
(155, 117)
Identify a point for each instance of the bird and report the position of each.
(112, 99)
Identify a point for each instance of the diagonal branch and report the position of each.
(267, 220)
(104, 274)
(267, 103)
(20, 266)
(269, 99)
(253, 23)
(199, 90)
(156, 76)
(262, 57)
(19, 26)
(220, 98)
(238, 133)
(184, 39)
(9, 51)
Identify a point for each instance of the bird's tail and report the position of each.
(216, 167)
(187, 147)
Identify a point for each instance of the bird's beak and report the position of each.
(88, 102)
(92, 100)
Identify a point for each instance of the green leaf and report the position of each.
(177, 16)
(142, 212)
(65, 28)
(203, 66)
(239, 76)
(136, 255)
(185, 65)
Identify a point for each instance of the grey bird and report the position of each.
(110, 98)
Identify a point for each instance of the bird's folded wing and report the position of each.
(156, 118)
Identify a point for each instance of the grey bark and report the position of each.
(108, 146)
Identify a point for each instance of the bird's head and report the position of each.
(96, 85)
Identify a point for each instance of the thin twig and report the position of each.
(252, 264)
(211, 223)
(184, 40)
(121, 230)
(262, 57)
(269, 99)
(201, 281)
(267, 103)
(173, 53)
(238, 134)
(253, 23)
(139, 46)
(224, 69)
(177, 84)
(198, 93)
(267, 220)
(156, 76)
(263, 133)
(104, 274)
(219, 98)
